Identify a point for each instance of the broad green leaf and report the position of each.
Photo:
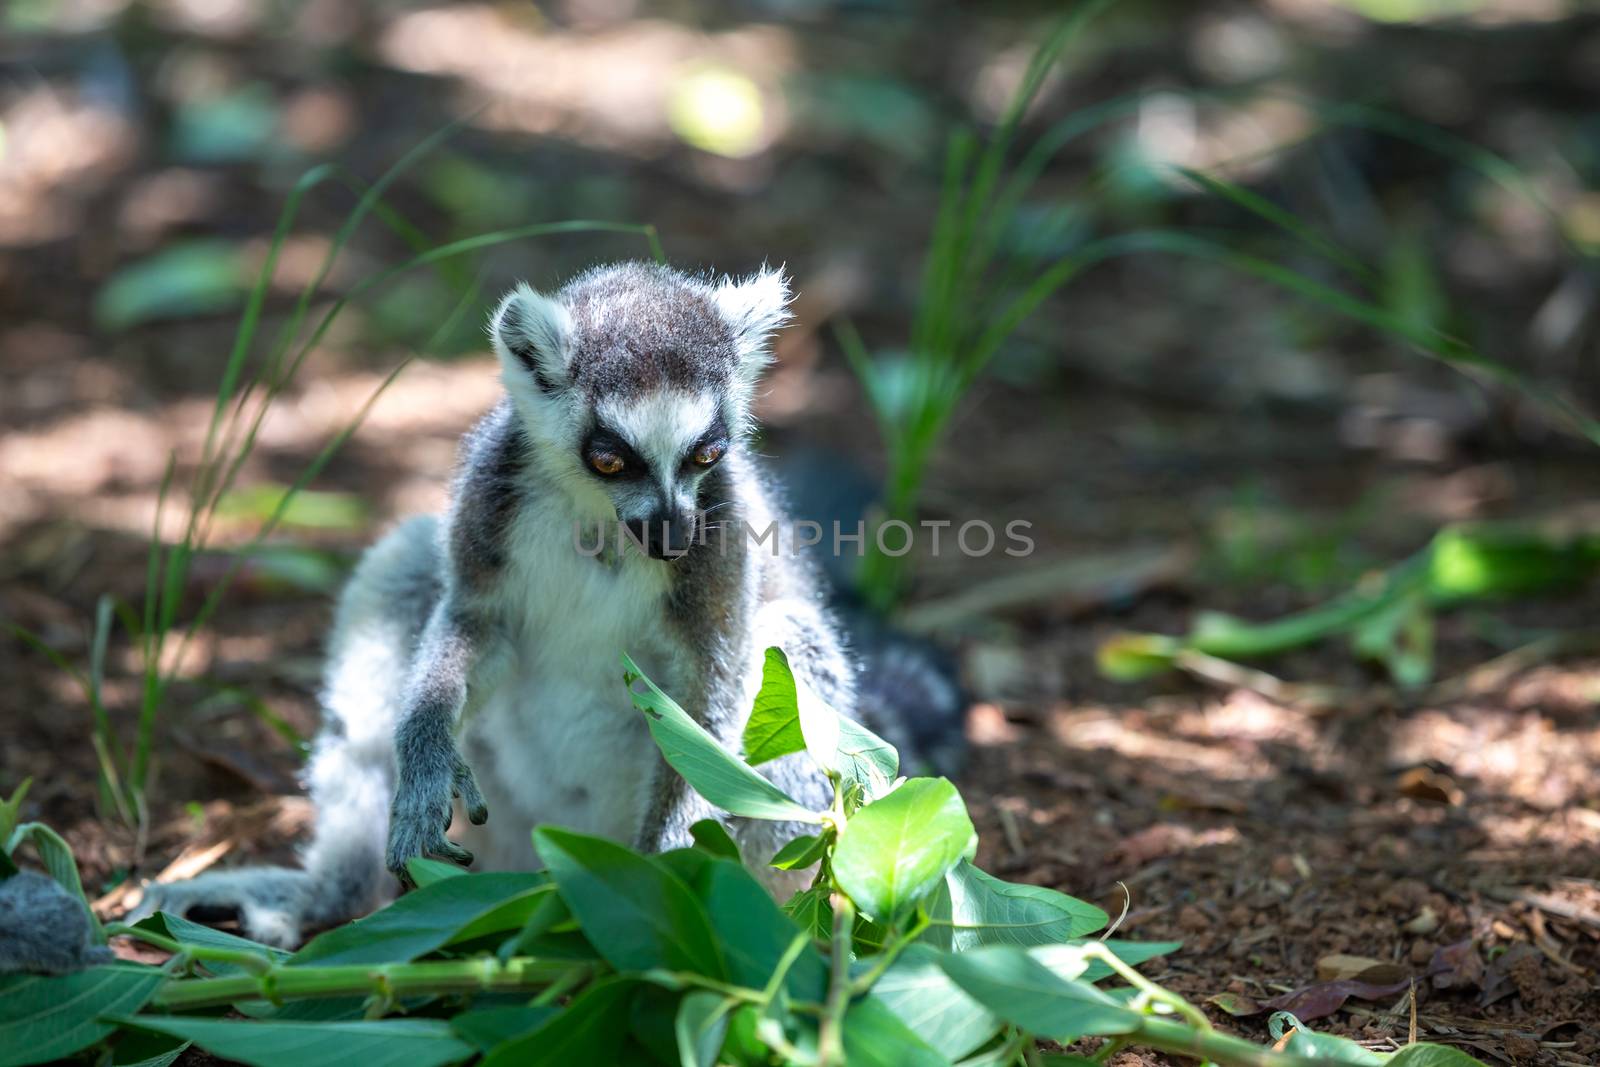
(844, 747)
(916, 989)
(1301, 1040)
(427, 919)
(140, 1048)
(550, 913)
(773, 728)
(511, 914)
(1022, 991)
(894, 850)
(874, 1036)
(46, 1018)
(811, 911)
(802, 852)
(714, 772)
(984, 910)
(1424, 1054)
(185, 279)
(689, 864)
(192, 933)
(56, 855)
(381, 1043)
(637, 914)
(424, 872)
(1067, 962)
(485, 1028)
(591, 1029)
(711, 836)
(701, 1024)
(756, 935)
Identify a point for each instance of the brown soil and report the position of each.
(1452, 836)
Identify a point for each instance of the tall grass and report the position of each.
(975, 293)
(246, 393)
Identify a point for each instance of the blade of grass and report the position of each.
(1285, 220)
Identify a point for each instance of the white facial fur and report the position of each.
(662, 427)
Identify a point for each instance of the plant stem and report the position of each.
(257, 963)
(281, 982)
(1208, 1044)
(1151, 990)
(830, 1038)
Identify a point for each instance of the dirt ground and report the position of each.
(1437, 852)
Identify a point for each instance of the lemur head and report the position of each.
(634, 382)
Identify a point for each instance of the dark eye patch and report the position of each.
(715, 439)
(602, 440)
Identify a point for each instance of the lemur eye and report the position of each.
(606, 462)
(706, 455)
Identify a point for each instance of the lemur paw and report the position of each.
(466, 788)
(421, 814)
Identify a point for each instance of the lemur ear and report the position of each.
(754, 308)
(530, 333)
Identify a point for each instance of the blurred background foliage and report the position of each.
(1447, 149)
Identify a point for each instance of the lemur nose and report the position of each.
(661, 535)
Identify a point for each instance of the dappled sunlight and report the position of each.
(1522, 754)
(612, 87)
(54, 149)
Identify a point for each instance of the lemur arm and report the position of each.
(459, 661)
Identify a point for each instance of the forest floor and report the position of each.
(1441, 848)
(1451, 837)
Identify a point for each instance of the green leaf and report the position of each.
(424, 872)
(138, 1048)
(1129, 657)
(701, 1024)
(56, 855)
(984, 910)
(800, 853)
(591, 1030)
(486, 1028)
(1424, 1054)
(916, 989)
(844, 747)
(637, 914)
(1067, 962)
(714, 772)
(428, 919)
(1302, 1041)
(894, 850)
(874, 1036)
(811, 911)
(756, 935)
(549, 913)
(1022, 991)
(711, 836)
(11, 813)
(773, 729)
(192, 933)
(45, 1018)
(185, 279)
(383, 1043)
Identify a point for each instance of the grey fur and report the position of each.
(44, 929)
(445, 625)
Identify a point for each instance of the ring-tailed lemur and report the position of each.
(628, 400)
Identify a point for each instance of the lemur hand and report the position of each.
(421, 810)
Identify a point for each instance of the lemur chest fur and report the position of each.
(558, 740)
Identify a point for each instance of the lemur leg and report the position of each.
(380, 614)
(459, 662)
